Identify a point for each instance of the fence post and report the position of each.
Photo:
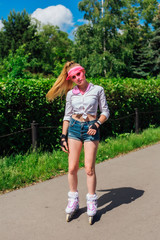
(34, 135)
(136, 121)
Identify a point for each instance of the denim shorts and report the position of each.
(78, 130)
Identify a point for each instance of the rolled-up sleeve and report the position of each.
(103, 106)
(68, 108)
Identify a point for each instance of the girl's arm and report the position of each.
(65, 127)
(66, 120)
(64, 145)
(102, 119)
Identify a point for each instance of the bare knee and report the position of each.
(73, 170)
(90, 171)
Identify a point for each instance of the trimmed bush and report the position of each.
(24, 100)
(123, 96)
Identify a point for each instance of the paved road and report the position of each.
(129, 204)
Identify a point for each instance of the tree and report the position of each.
(3, 45)
(143, 62)
(112, 38)
(17, 30)
(15, 64)
(56, 47)
(88, 49)
(155, 45)
(98, 43)
(146, 55)
(46, 46)
(92, 10)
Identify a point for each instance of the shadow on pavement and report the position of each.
(79, 213)
(116, 197)
(111, 199)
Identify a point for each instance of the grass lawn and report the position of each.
(22, 170)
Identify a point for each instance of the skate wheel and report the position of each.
(90, 220)
(68, 217)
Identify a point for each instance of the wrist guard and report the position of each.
(93, 126)
(63, 136)
(62, 141)
(99, 123)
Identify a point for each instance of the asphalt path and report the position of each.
(129, 204)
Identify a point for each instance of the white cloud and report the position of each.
(1, 24)
(55, 15)
(84, 21)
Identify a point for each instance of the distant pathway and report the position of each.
(129, 204)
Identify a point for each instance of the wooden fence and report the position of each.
(35, 126)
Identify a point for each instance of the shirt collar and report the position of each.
(76, 90)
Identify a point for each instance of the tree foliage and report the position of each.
(120, 38)
(46, 46)
(15, 64)
(56, 49)
(155, 45)
(17, 30)
(113, 38)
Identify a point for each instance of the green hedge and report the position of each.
(124, 95)
(23, 100)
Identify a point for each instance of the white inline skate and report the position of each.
(73, 205)
(91, 207)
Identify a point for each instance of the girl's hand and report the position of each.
(64, 146)
(93, 129)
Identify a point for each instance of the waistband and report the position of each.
(82, 123)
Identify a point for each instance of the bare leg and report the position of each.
(90, 149)
(75, 147)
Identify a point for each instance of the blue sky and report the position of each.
(63, 13)
(66, 16)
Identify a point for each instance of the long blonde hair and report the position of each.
(61, 86)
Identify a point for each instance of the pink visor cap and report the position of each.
(73, 71)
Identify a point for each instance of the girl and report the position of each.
(82, 127)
